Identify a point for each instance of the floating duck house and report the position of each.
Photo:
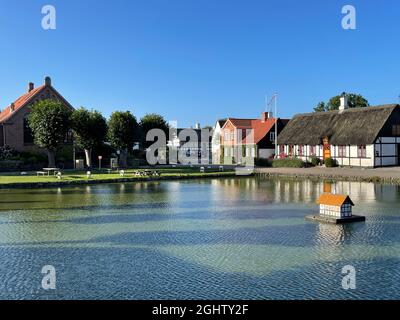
(336, 209)
(335, 205)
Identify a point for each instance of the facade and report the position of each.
(14, 130)
(216, 142)
(335, 205)
(243, 140)
(359, 137)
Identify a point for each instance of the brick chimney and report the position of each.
(31, 86)
(47, 81)
(265, 116)
(12, 107)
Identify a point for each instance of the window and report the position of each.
(28, 136)
(312, 150)
(281, 149)
(396, 130)
(290, 150)
(362, 152)
(301, 150)
(272, 136)
(342, 151)
(227, 135)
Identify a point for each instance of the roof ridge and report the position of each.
(382, 106)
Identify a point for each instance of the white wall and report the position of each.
(351, 158)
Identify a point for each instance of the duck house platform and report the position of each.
(334, 220)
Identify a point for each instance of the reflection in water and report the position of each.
(227, 238)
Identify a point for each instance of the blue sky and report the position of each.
(200, 60)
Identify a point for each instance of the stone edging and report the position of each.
(117, 180)
(374, 179)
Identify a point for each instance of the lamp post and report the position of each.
(100, 158)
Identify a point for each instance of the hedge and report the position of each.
(288, 163)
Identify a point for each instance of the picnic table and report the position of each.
(48, 170)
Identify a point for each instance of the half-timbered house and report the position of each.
(357, 137)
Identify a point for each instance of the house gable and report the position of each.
(23, 103)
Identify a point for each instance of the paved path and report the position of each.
(391, 175)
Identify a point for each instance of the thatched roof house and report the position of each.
(366, 137)
(359, 126)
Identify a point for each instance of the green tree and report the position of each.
(354, 101)
(149, 122)
(122, 130)
(90, 130)
(321, 107)
(49, 122)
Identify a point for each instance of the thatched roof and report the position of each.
(358, 126)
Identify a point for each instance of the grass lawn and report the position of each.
(71, 175)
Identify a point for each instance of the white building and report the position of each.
(357, 137)
(216, 142)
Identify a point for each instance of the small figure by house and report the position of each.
(335, 205)
(336, 209)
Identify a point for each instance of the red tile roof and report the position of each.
(19, 103)
(261, 129)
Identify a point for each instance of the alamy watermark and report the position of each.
(349, 279)
(49, 279)
(193, 147)
(349, 21)
(49, 21)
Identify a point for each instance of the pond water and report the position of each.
(210, 239)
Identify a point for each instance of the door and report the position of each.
(327, 149)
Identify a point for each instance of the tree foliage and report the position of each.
(354, 101)
(89, 127)
(122, 130)
(49, 122)
(149, 122)
(90, 130)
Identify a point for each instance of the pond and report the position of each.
(207, 239)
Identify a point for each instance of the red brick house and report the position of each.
(244, 139)
(14, 130)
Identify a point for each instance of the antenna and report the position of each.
(275, 100)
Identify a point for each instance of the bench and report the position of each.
(38, 173)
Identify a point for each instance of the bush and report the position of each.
(10, 165)
(315, 161)
(330, 163)
(7, 153)
(261, 162)
(31, 158)
(288, 163)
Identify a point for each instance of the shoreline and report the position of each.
(57, 184)
(381, 175)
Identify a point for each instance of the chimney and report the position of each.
(197, 126)
(47, 81)
(265, 116)
(344, 103)
(31, 86)
(12, 107)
